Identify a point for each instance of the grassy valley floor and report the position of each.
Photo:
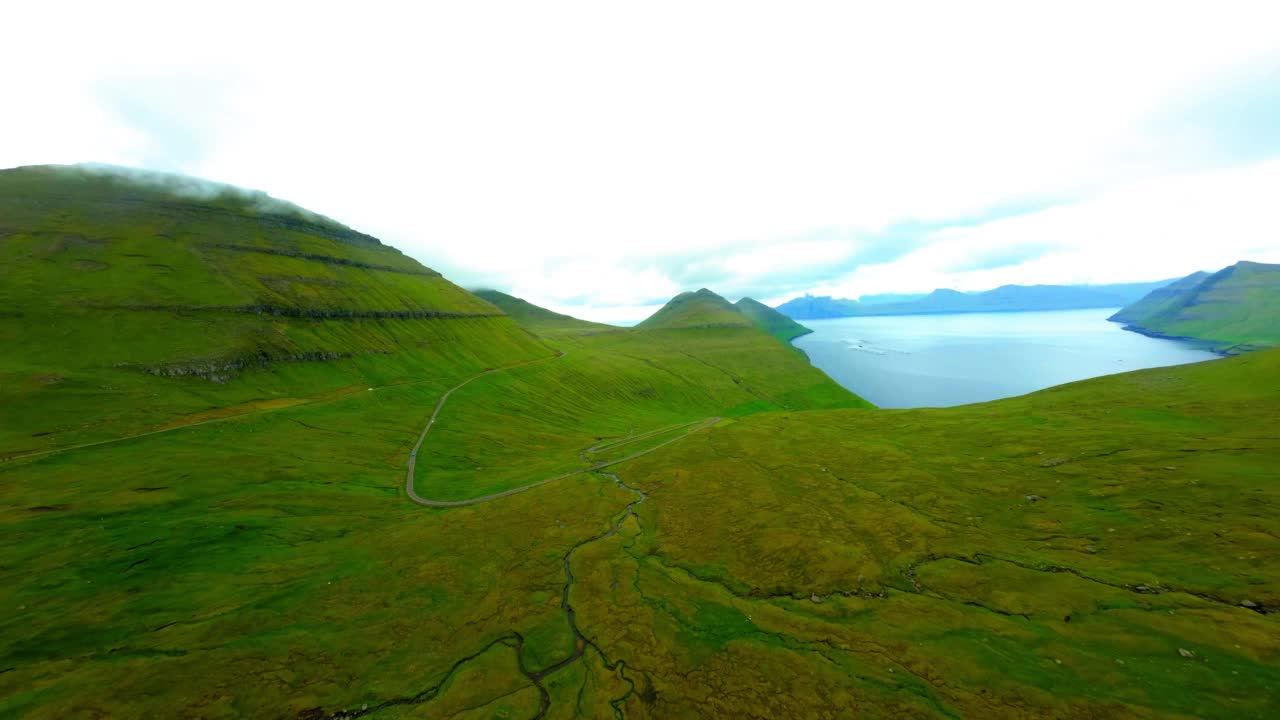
(269, 563)
(207, 410)
(1107, 548)
(1084, 551)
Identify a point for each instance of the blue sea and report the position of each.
(943, 360)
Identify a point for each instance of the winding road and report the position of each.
(413, 455)
(581, 642)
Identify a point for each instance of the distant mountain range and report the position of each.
(1233, 310)
(1008, 298)
(886, 298)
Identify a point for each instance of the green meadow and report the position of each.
(205, 516)
(1101, 549)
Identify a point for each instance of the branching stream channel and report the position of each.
(513, 639)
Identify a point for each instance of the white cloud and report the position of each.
(761, 262)
(557, 148)
(1150, 230)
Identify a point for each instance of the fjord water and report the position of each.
(942, 360)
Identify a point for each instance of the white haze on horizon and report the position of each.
(598, 159)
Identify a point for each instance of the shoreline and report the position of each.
(1200, 344)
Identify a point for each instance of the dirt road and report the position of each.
(413, 455)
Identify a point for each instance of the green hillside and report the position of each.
(612, 384)
(204, 475)
(237, 300)
(539, 319)
(1160, 300)
(1233, 310)
(700, 309)
(770, 320)
(205, 499)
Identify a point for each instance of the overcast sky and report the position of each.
(598, 157)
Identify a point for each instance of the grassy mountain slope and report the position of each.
(110, 283)
(1233, 310)
(261, 540)
(616, 383)
(1085, 551)
(518, 427)
(1161, 299)
(770, 320)
(699, 309)
(539, 319)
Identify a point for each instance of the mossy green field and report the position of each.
(1052, 555)
(1106, 549)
